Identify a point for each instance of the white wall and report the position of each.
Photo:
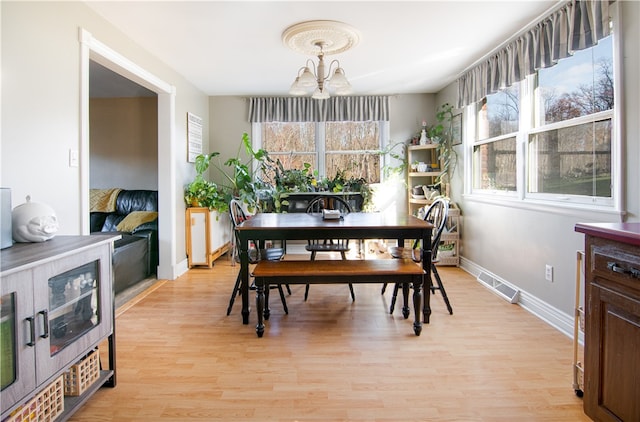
(515, 244)
(228, 117)
(41, 109)
(124, 143)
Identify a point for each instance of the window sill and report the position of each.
(580, 211)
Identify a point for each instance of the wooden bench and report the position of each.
(339, 271)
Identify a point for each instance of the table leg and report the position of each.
(405, 297)
(426, 279)
(260, 307)
(417, 304)
(244, 275)
(266, 310)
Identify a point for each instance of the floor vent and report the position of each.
(498, 287)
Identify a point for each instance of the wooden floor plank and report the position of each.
(180, 358)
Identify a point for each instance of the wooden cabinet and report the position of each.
(208, 235)
(612, 321)
(56, 307)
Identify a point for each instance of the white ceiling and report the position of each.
(235, 47)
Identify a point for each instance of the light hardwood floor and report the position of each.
(180, 358)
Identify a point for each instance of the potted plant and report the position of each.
(204, 193)
(294, 180)
(239, 182)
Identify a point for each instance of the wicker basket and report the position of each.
(81, 375)
(44, 407)
(28, 412)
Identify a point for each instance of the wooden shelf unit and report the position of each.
(428, 155)
(451, 236)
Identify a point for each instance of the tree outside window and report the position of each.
(350, 149)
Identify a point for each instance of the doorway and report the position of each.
(94, 50)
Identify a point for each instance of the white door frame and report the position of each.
(91, 48)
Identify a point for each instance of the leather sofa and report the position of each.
(135, 256)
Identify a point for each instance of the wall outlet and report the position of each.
(548, 272)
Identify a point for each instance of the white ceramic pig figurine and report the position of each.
(33, 222)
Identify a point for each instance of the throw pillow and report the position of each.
(135, 218)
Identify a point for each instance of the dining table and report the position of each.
(263, 227)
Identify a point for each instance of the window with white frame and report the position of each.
(351, 148)
(569, 149)
(494, 154)
(563, 118)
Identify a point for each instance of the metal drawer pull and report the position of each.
(633, 272)
(32, 332)
(45, 322)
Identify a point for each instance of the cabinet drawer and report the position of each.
(617, 265)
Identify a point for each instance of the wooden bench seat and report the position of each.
(339, 271)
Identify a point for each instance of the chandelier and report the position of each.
(320, 38)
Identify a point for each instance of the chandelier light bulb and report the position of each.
(296, 89)
(338, 80)
(320, 95)
(307, 79)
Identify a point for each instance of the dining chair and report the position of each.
(316, 205)
(436, 214)
(256, 254)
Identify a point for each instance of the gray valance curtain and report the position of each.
(577, 25)
(306, 109)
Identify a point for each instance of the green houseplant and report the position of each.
(240, 183)
(442, 137)
(201, 192)
(237, 179)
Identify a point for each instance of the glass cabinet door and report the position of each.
(73, 305)
(8, 355)
(73, 308)
(17, 337)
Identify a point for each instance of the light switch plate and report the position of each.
(74, 158)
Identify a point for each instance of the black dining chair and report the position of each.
(256, 254)
(436, 214)
(316, 205)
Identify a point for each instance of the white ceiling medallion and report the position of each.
(305, 37)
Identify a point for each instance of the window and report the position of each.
(494, 155)
(292, 143)
(571, 154)
(562, 117)
(349, 147)
(573, 160)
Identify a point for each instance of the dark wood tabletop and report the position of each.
(371, 225)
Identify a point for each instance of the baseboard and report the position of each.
(549, 314)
